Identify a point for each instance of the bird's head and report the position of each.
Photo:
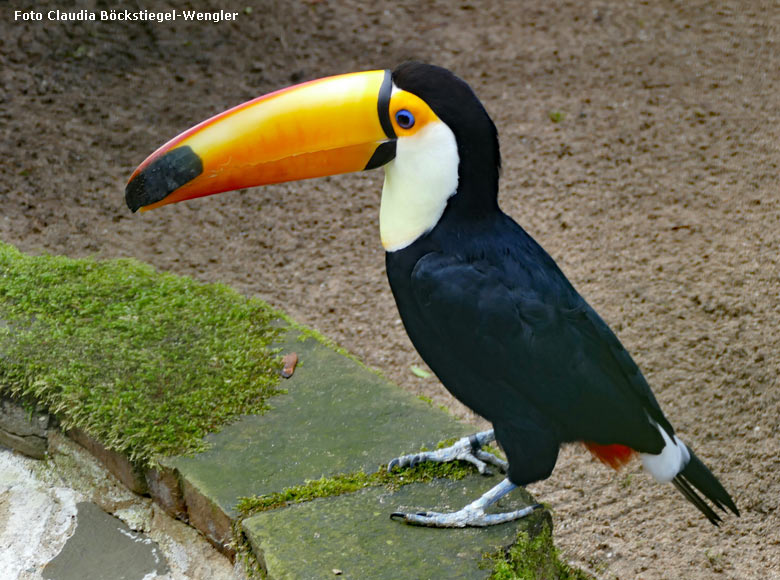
(420, 122)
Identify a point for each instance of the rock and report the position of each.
(31, 445)
(23, 431)
(128, 473)
(165, 489)
(15, 419)
(104, 547)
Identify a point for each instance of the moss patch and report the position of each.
(334, 486)
(352, 482)
(147, 363)
(529, 559)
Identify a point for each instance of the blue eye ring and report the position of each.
(405, 119)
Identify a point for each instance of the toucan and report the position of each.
(484, 305)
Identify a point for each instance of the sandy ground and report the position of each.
(656, 192)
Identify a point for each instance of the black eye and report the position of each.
(404, 119)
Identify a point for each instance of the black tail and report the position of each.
(696, 475)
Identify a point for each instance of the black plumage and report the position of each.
(504, 330)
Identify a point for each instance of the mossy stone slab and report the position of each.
(352, 536)
(336, 417)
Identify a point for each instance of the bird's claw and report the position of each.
(463, 518)
(487, 457)
(466, 449)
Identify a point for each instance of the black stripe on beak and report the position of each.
(162, 177)
(383, 105)
(383, 154)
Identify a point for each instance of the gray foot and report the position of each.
(473, 514)
(467, 449)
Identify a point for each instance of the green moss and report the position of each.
(352, 482)
(445, 443)
(147, 363)
(529, 559)
(306, 333)
(245, 554)
(556, 116)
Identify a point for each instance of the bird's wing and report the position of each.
(521, 332)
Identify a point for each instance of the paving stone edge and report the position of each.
(175, 494)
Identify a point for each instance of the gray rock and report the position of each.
(22, 430)
(30, 445)
(19, 421)
(104, 547)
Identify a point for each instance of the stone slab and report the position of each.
(125, 471)
(104, 547)
(19, 421)
(352, 536)
(206, 515)
(22, 430)
(336, 417)
(165, 489)
(30, 445)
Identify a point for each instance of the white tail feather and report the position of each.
(671, 461)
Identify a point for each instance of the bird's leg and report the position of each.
(467, 448)
(471, 515)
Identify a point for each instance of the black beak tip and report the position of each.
(134, 193)
(162, 177)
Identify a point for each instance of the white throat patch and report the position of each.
(418, 183)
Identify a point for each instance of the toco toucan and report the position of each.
(486, 307)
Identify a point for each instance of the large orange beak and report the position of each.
(334, 125)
